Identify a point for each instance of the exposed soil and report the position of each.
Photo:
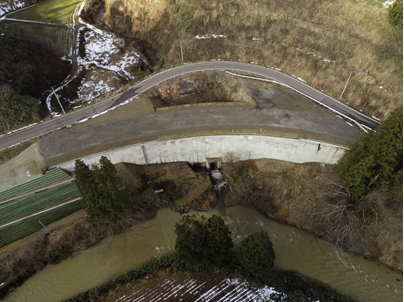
(199, 88)
(136, 108)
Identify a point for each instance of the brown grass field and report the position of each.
(320, 41)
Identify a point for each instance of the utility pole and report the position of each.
(350, 75)
(182, 55)
(58, 100)
(45, 228)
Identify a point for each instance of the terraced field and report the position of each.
(52, 20)
(52, 177)
(46, 198)
(61, 37)
(23, 228)
(50, 11)
(198, 289)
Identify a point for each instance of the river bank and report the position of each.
(295, 250)
(30, 256)
(304, 196)
(165, 277)
(24, 258)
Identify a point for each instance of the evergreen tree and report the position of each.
(256, 255)
(374, 160)
(202, 244)
(83, 177)
(219, 241)
(192, 240)
(102, 189)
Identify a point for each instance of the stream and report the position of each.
(295, 249)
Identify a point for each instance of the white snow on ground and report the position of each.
(6, 7)
(92, 86)
(204, 37)
(233, 290)
(300, 79)
(101, 46)
(104, 62)
(388, 4)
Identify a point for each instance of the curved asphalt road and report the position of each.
(141, 87)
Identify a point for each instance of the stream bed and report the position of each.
(295, 249)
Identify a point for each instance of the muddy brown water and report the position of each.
(295, 250)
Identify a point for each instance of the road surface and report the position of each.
(73, 117)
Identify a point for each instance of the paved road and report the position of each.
(63, 121)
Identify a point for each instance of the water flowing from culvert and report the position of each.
(295, 249)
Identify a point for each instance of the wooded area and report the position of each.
(28, 67)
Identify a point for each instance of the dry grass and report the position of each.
(306, 195)
(354, 34)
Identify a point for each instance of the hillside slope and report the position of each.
(320, 41)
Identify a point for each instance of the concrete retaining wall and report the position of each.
(239, 147)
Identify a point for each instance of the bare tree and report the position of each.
(336, 217)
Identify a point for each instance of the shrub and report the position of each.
(257, 255)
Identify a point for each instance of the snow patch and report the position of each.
(7, 7)
(388, 4)
(104, 60)
(204, 37)
(233, 290)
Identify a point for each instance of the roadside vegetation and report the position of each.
(357, 204)
(28, 66)
(375, 160)
(319, 41)
(9, 153)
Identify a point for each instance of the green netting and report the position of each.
(37, 202)
(24, 228)
(51, 177)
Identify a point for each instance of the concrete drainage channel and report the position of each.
(212, 168)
